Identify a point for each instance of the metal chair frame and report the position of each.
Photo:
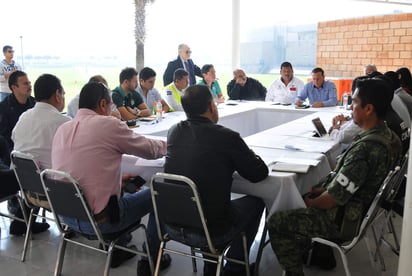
(388, 205)
(21, 204)
(66, 198)
(190, 207)
(28, 176)
(368, 220)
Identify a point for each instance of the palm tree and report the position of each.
(140, 30)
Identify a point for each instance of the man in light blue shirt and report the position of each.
(320, 93)
(146, 90)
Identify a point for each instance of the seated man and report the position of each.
(10, 186)
(285, 89)
(319, 92)
(209, 154)
(146, 90)
(35, 129)
(129, 103)
(245, 88)
(174, 91)
(344, 130)
(90, 148)
(355, 180)
(15, 104)
(73, 105)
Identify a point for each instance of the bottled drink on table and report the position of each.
(158, 111)
(345, 100)
(154, 108)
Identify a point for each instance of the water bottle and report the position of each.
(154, 107)
(345, 99)
(159, 111)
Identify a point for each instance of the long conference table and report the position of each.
(281, 135)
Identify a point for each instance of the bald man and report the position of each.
(245, 88)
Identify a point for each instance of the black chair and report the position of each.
(177, 205)
(28, 175)
(370, 216)
(392, 205)
(66, 199)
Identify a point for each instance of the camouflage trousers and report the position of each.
(291, 231)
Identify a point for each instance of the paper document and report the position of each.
(297, 161)
(150, 163)
(289, 167)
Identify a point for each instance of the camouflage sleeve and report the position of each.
(363, 161)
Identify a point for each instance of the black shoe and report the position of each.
(120, 256)
(242, 272)
(19, 228)
(39, 227)
(209, 269)
(322, 256)
(143, 267)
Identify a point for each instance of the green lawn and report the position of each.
(73, 78)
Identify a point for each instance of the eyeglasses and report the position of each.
(188, 52)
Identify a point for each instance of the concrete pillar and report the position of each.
(235, 34)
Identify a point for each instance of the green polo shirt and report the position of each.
(132, 100)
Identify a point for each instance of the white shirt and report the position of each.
(347, 132)
(73, 106)
(280, 93)
(34, 132)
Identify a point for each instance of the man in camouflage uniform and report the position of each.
(355, 180)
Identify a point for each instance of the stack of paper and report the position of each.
(289, 167)
(297, 165)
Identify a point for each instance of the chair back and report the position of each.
(177, 203)
(398, 182)
(66, 199)
(27, 172)
(374, 207)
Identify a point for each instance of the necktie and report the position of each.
(188, 70)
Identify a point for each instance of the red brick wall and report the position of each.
(345, 46)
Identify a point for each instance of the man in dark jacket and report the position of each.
(245, 88)
(15, 104)
(184, 61)
(209, 154)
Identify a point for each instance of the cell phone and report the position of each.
(304, 106)
(134, 184)
(131, 122)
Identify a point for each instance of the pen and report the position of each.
(290, 147)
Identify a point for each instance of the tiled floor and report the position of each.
(42, 253)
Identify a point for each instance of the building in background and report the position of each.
(268, 47)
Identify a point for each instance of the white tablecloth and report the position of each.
(266, 129)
